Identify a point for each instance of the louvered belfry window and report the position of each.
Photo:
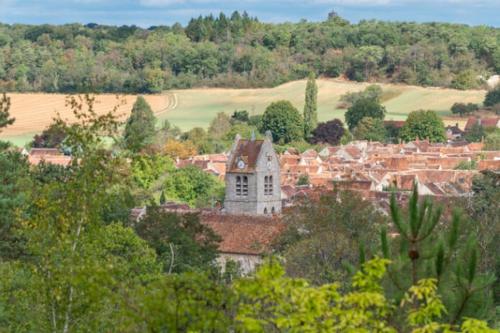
(238, 185)
(245, 186)
(268, 185)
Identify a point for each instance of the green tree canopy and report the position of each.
(370, 129)
(475, 134)
(373, 91)
(492, 141)
(181, 241)
(219, 126)
(51, 137)
(241, 116)
(140, 127)
(483, 209)
(426, 249)
(323, 236)
(492, 97)
(193, 186)
(423, 125)
(364, 107)
(284, 121)
(463, 109)
(14, 180)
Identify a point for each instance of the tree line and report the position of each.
(240, 51)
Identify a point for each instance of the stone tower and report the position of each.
(253, 178)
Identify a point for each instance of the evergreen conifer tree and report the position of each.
(427, 248)
(5, 119)
(162, 198)
(311, 106)
(140, 127)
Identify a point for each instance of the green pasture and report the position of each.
(196, 107)
(19, 140)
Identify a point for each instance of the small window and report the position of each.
(265, 210)
(245, 186)
(268, 185)
(272, 210)
(238, 185)
(270, 190)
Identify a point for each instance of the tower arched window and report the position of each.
(238, 185)
(245, 186)
(268, 185)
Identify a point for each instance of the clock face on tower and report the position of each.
(241, 164)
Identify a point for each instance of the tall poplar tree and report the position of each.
(140, 127)
(311, 106)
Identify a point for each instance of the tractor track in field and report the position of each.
(172, 103)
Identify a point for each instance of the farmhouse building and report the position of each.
(491, 122)
(253, 178)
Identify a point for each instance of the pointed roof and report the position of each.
(248, 151)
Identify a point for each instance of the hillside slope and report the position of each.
(196, 107)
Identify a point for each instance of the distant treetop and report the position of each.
(238, 50)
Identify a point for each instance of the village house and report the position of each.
(486, 123)
(454, 133)
(259, 183)
(47, 155)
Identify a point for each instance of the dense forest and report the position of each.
(239, 51)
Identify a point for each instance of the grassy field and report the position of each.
(196, 107)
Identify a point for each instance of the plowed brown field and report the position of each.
(34, 112)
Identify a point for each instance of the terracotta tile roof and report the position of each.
(244, 234)
(248, 151)
(353, 184)
(44, 152)
(491, 122)
(489, 165)
(218, 168)
(310, 153)
(50, 159)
